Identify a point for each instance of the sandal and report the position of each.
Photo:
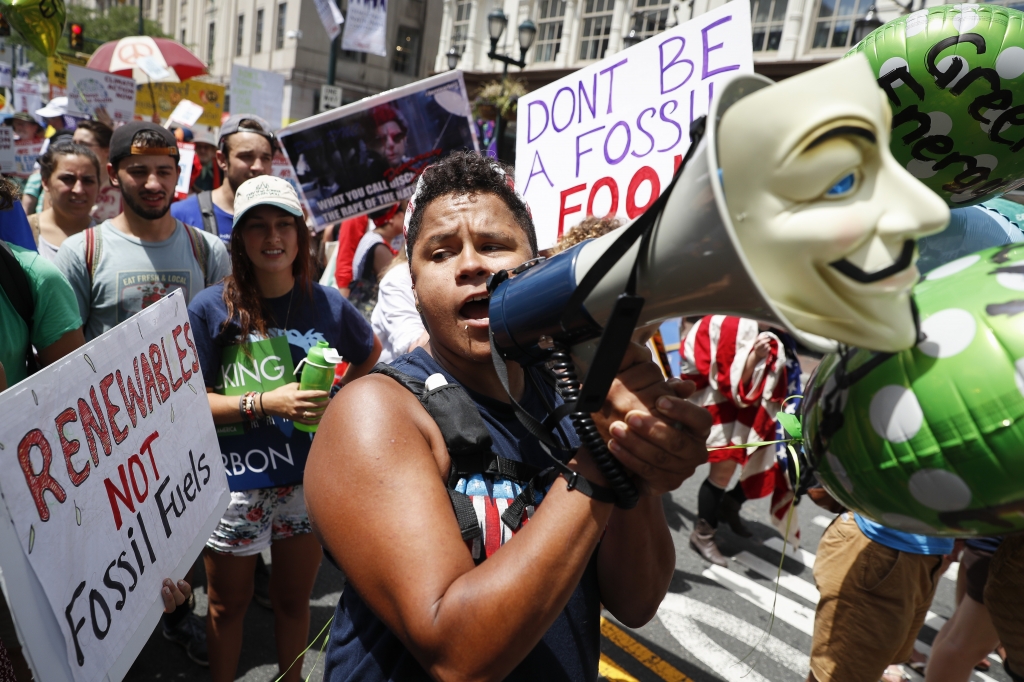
(895, 673)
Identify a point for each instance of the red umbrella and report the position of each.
(147, 60)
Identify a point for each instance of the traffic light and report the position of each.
(5, 28)
(76, 38)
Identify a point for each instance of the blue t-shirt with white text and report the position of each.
(187, 211)
(275, 454)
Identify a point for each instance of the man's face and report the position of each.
(391, 142)
(249, 156)
(146, 183)
(826, 216)
(462, 240)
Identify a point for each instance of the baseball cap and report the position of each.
(121, 141)
(58, 106)
(266, 190)
(234, 125)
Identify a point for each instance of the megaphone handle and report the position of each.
(568, 387)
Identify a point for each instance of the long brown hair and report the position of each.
(242, 295)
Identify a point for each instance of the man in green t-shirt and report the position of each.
(56, 325)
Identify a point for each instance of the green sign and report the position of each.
(260, 366)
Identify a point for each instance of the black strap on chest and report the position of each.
(470, 449)
(205, 199)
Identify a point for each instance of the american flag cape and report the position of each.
(713, 356)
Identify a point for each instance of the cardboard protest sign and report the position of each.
(26, 153)
(90, 90)
(166, 96)
(26, 95)
(112, 480)
(366, 28)
(255, 91)
(7, 166)
(361, 157)
(606, 139)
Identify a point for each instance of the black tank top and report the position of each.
(362, 648)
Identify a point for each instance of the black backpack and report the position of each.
(15, 284)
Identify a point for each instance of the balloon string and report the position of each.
(327, 625)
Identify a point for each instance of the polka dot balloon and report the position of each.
(931, 440)
(954, 76)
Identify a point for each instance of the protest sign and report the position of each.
(367, 155)
(166, 97)
(186, 113)
(90, 90)
(280, 168)
(330, 17)
(5, 75)
(186, 159)
(606, 139)
(57, 73)
(6, 54)
(366, 27)
(255, 91)
(112, 482)
(7, 166)
(26, 153)
(26, 95)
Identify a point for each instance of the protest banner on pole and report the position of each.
(90, 90)
(366, 155)
(7, 166)
(26, 96)
(330, 17)
(366, 27)
(113, 482)
(166, 96)
(255, 91)
(606, 139)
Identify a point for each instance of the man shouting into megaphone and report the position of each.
(471, 553)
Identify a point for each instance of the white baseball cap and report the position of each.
(58, 106)
(266, 190)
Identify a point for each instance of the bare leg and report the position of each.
(965, 639)
(296, 561)
(229, 581)
(721, 472)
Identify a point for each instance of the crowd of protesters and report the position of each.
(429, 594)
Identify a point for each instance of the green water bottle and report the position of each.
(317, 373)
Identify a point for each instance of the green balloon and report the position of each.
(954, 76)
(931, 440)
(40, 22)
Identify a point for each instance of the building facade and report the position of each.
(287, 37)
(788, 36)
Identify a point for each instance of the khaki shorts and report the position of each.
(1004, 597)
(873, 603)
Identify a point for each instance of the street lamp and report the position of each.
(453, 58)
(865, 25)
(496, 23)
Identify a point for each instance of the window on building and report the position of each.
(183, 41)
(767, 18)
(210, 36)
(549, 30)
(282, 18)
(834, 27)
(240, 35)
(159, 10)
(460, 28)
(407, 52)
(597, 24)
(258, 43)
(353, 56)
(650, 17)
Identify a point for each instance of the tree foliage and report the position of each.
(119, 21)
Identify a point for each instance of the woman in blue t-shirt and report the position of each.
(271, 305)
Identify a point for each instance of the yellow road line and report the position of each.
(645, 656)
(610, 670)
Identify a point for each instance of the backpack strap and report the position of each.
(200, 250)
(16, 285)
(205, 199)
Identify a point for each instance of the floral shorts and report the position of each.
(257, 518)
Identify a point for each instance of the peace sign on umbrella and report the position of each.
(147, 60)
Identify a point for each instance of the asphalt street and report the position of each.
(712, 625)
